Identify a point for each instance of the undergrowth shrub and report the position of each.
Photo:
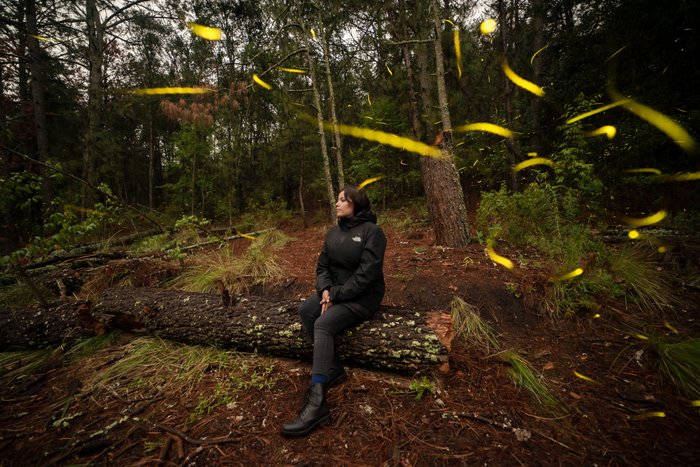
(258, 265)
(680, 361)
(548, 218)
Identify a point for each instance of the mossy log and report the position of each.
(395, 339)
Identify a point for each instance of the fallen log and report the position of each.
(395, 339)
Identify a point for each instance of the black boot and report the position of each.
(315, 412)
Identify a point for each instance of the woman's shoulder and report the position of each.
(372, 228)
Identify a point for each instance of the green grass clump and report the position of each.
(151, 364)
(646, 285)
(470, 327)
(257, 266)
(680, 361)
(90, 345)
(25, 362)
(521, 373)
(19, 295)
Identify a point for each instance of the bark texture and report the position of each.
(395, 339)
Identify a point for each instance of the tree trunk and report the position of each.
(538, 20)
(95, 31)
(513, 148)
(448, 213)
(331, 99)
(395, 339)
(151, 160)
(321, 132)
(38, 101)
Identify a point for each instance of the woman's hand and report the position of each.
(326, 301)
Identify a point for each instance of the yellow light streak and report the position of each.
(616, 52)
(42, 38)
(644, 170)
(389, 139)
(695, 403)
(686, 177)
(205, 32)
(487, 127)
(664, 123)
(641, 337)
(533, 161)
(642, 416)
(649, 220)
(670, 327)
(569, 275)
(262, 83)
(584, 377)
(487, 26)
(247, 236)
(391, 73)
(291, 70)
(633, 234)
(597, 111)
(496, 258)
(532, 59)
(662, 249)
(531, 154)
(368, 181)
(381, 137)
(607, 130)
(458, 52)
(172, 90)
(369, 100)
(596, 316)
(313, 34)
(521, 82)
(448, 21)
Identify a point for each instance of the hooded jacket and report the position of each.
(351, 262)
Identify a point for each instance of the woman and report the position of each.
(349, 290)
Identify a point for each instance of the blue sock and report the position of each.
(316, 378)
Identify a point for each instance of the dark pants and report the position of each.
(322, 330)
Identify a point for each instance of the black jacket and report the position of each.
(351, 261)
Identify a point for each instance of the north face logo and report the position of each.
(356, 239)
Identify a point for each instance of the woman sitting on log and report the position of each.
(349, 290)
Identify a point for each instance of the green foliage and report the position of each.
(680, 361)
(469, 325)
(155, 365)
(421, 387)
(188, 222)
(19, 295)
(153, 244)
(522, 375)
(511, 215)
(87, 347)
(72, 225)
(644, 282)
(257, 266)
(15, 365)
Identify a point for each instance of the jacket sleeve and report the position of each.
(369, 270)
(324, 279)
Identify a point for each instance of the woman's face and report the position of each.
(343, 207)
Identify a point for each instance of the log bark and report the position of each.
(396, 339)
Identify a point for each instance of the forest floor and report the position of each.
(471, 414)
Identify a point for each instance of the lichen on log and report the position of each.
(394, 339)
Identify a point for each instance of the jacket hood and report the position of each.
(346, 223)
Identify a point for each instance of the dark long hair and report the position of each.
(358, 198)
